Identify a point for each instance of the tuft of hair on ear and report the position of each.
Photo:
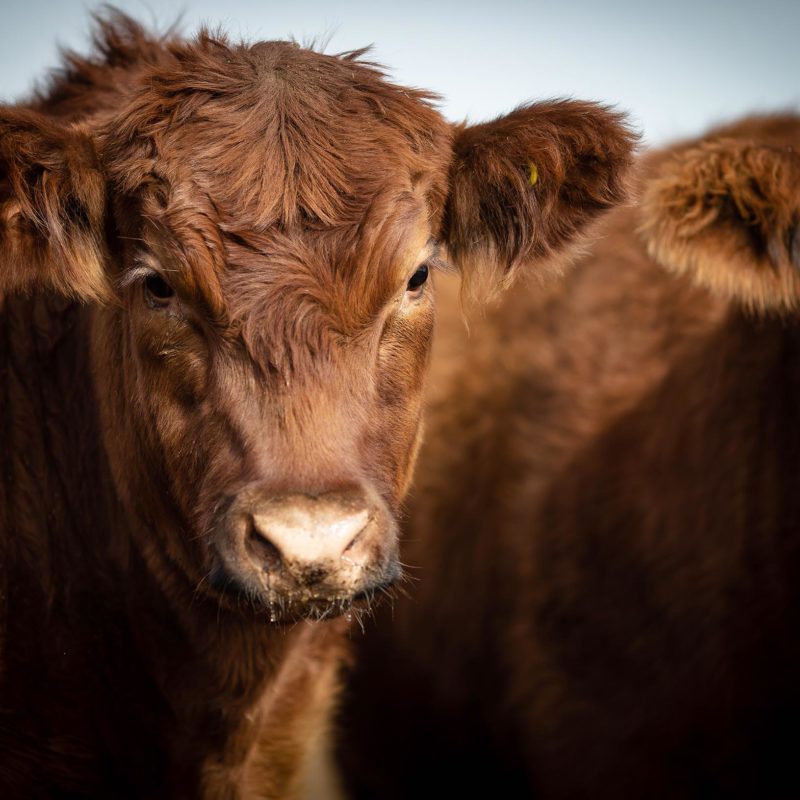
(525, 186)
(52, 208)
(726, 212)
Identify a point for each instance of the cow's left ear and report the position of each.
(525, 185)
(52, 208)
(726, 212)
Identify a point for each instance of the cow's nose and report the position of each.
(302, 553)
(298, 530)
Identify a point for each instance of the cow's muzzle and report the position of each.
(303, 555)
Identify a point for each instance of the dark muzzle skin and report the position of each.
(304, 555)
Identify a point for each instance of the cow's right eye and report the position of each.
(157, 289)
(418, 278)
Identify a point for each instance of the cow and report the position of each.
(215, 321)
(605, 526)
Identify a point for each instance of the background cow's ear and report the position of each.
(727, 213)
(52, 208)
(525, 185)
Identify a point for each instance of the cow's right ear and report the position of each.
(525, 186)
(52, 208)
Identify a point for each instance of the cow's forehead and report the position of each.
(276, 134)
(347, 272)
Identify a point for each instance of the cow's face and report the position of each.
(264, 254)
(278, 394)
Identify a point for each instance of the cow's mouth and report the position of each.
(318, 607)
(321, 608)
(315, 603)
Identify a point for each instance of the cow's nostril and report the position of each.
(263, 548)
(357, 538)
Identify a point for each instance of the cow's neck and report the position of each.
(259, 696)
(244, 703)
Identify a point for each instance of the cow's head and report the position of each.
(256, 229)
(726, 212)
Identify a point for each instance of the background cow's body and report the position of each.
(214, 332)
(606, 520)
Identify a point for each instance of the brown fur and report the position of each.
(570, 148)
(50, 174)
(604, 525)
(241, 224)
(724, 211)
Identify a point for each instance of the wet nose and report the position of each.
(299, 529)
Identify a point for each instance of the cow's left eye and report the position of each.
(158, 290)
(418, 278)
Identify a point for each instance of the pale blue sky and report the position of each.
(675, 66)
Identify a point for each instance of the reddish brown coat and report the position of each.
(214, 331)
(605, 527)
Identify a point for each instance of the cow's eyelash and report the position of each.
(139, 274)
(136, 275)
(435, 260)
(439, 264)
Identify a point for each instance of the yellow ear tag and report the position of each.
(534, 174)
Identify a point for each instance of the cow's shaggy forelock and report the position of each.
(274, 133)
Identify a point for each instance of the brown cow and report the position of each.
(214, 329)
(606, 523)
